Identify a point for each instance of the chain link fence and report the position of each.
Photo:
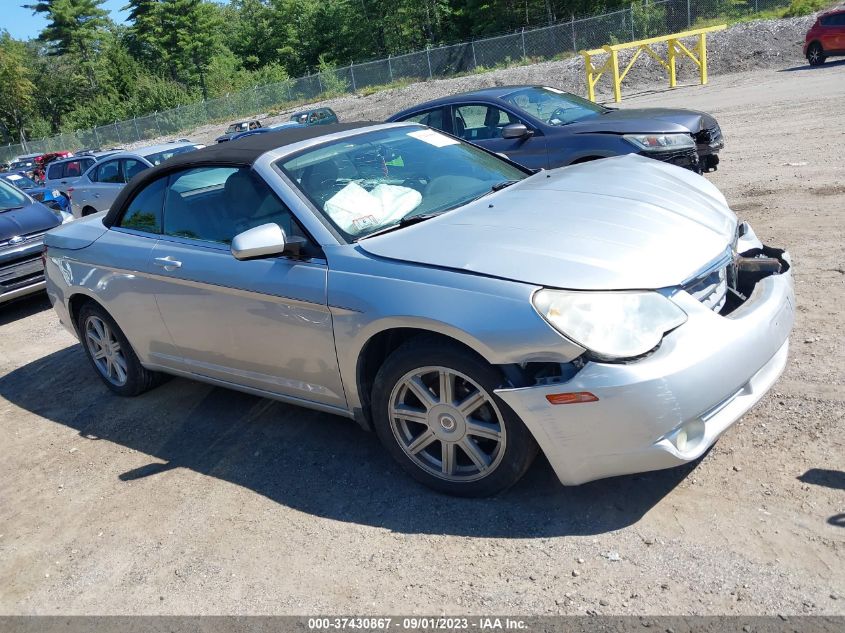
(557, 40)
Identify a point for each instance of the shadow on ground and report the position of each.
(808, 68)
(824, 477)
(23, 308)
(313, 462)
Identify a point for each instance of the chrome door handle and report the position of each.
(168, 263)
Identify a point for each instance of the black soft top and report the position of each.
(242, 153)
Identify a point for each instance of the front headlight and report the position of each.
(660, 142)
(611, 325)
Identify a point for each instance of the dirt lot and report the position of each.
(194, 499)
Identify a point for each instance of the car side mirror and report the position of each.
(266, 240)
(516, 130)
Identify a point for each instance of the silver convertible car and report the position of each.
(614, 315)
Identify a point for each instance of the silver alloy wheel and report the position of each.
(447, 424)
(105, 351)
(815, 53)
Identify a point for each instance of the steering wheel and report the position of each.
(559, 113)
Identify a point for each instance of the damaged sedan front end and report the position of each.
(672, 346)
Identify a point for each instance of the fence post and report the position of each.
(390, 69)
(352, 73)
(320, 82)
(617, 90)
(574, 46)
(756, 9)
(428, 56)
(689, 15)
(671, 44)
(702, 57)
(117, 131)
(474, 58)
(524, 54)
(158, 125)
(633, 37)
(290, 96)
(97, 137)
(137, 133)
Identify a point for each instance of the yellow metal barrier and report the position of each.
(674, 47)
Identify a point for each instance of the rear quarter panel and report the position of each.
(113, 270)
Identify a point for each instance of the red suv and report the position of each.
(825, 38)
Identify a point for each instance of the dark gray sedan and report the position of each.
(23, 223)
(542, 127)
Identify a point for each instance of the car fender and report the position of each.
(493, 317)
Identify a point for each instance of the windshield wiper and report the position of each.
(408, 221)
(501, 185)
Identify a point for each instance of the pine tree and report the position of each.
(144, 29)
(73, 28)
(190, 37)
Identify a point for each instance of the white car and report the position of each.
(97, 188)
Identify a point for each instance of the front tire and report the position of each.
(111, 355)
(435, 412)
(815, 54)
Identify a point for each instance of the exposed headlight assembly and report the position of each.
(660, 142)
(611, 325)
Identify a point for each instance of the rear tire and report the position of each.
(435, 412)
(111, 355)
(815, 54)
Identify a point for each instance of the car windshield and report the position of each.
(11, 198)
(372, 181)
(159, 157)
(20, 181)
(553, 106)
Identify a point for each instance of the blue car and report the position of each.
(52, 198)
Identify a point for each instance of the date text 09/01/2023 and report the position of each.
(416, 623)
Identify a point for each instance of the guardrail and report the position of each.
(674, 46)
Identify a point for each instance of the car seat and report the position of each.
(319, 180)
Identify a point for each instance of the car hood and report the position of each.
(625, 222)
(33, 218)
(646, 121)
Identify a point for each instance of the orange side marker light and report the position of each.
(571, 398)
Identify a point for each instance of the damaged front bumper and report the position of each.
(668, 408)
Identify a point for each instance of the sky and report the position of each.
(22, 25)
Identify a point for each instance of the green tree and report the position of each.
(144, 30)
(73, 28)
(17, 96)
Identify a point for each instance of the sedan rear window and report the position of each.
(159, 157)
(11, 198)
(20, 181)
(368, 182)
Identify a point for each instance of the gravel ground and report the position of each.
(192, 499)
(742, 47)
